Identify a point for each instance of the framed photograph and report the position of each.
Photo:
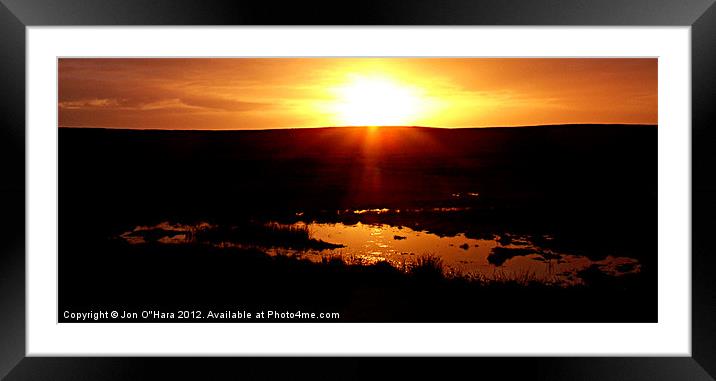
(515, 182)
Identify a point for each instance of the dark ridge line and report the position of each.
(568, 125)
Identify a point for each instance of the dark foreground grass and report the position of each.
(200, 277)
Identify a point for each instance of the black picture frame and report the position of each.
(16, 15)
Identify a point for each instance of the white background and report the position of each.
(670, 336)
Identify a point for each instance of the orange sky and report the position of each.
(258, 93)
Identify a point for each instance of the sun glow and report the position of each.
(377, 101)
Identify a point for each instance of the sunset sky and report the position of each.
(259, 93)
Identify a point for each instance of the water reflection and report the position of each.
(515, 257)
(500, 257)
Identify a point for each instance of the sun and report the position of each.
(376, 101)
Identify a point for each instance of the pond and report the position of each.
(501, 257)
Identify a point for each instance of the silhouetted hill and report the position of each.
(355, 167)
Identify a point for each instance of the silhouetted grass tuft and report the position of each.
(428, 266)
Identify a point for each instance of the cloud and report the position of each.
(192, 103)
(89, 103)
(224, 104)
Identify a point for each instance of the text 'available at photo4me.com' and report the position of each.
(194, 315)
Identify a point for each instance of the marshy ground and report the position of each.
(463, 220)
